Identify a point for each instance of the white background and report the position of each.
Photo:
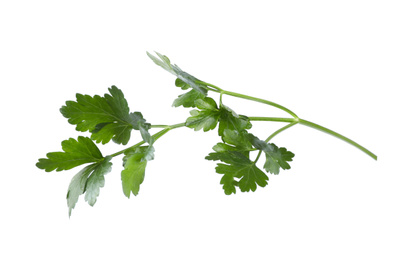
(347, 65)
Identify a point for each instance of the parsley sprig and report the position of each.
(108, 117)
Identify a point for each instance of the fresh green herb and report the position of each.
(108, 118)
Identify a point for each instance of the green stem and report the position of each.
(234, 94)
(267, 102)
(280, 130)
(337, 135)
(156, 136)
(294, 120)
(159, 126)
(122, 151)
(273, 135)
(317, 127)
(273, 119)
(209, 85)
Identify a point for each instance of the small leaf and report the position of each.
(238, 166)
(232, 121)
(229, 184)
(188, 99)
(238, 139)
(190, 80)
(96, 180)
(181, 84)
(139, 123)
(75, 153)
(90, 179)
(250, 176)
(162, 61)
(206, 104)
(276, 157)
(206, 118)
(183, 77)
(135, 162)
(77, 186)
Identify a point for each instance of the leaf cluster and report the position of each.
(108, 117)
(237, 167)
(234, 151)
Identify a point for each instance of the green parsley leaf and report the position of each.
(181, 84)
(89, 180)
(105, 117)
(236, 147)
(188, 99)
(250, 176)
(235, 153)
(138, 123)
(206, 118)
(226, 155)
(183, 76)
(163, 62)
(135, 162)
(190, 80)
(232, 121)
(229, 184)
(241, 167)
(276, 157)
(96, 180)
(77, 186)
(240, 140)
(76, 152)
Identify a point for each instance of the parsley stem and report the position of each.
(274, 119)
(274, 134)
(156, 136)
(234, 94)
(293, 121)
(267, 102)
(337, 135)
(260, 100)
(122, 151)
(317, 127)
(209, 85)
(159, 126)
(280, 130)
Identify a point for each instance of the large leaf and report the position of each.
(106, 117)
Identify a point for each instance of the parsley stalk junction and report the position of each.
(292, 121)
(108, 117)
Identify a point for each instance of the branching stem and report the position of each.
(293, 120)
(274, 134)
(317, 127)
(156, 136)
(234, 94)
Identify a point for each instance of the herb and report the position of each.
(108, 117)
